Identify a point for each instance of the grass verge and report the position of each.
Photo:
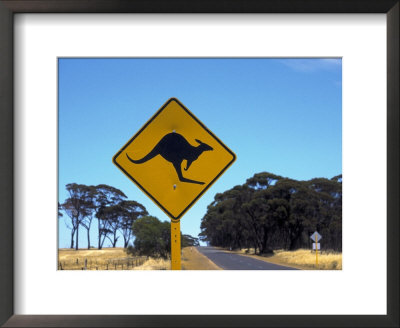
(98, 259)
(117, 259)
(192, 259)
(155, 264)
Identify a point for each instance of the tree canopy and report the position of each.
(272, 212)
(152, 237)
(114, 213)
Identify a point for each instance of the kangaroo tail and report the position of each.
(148, 157)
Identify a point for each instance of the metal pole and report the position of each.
(175, 245)
(316, 250)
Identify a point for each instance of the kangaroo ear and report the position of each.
(198, 141)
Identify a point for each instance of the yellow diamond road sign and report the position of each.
(174, 158)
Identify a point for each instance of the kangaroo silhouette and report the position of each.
(174, 148)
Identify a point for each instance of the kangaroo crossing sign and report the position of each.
(174, 158)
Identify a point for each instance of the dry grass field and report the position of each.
(155, 264)
(94, 259)
(117, 259)
(301, 259)
(306, 259)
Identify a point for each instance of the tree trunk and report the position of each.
(102, 242)
(255, 247)
(127, 239)
(88, 238)
(264, 243)
(99, 235)
(72, 238)
(115, 239)
(77, 238)
(294, 241)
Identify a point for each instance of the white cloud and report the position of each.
(312, 64)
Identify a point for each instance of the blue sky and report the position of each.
(279, 115)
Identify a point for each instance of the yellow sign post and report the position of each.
(315, 237)
(174, 159)
(175, 245)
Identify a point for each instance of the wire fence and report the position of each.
(128, 263)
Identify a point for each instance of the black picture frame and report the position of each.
(10, 7)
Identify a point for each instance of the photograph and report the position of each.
(199, 163)
(199, 150)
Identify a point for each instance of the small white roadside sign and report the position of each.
(314, 245)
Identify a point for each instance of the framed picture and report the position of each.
(34, 293)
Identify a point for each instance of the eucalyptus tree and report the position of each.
(270, 212)
(110, 219)
(263, 180)
(87, 220)
(129, 211)
(152, 237)
(106, 197)
(59, 210)
(77, 206)
(224, 223)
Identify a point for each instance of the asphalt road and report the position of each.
(229, 261)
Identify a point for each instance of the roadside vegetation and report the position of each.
(270, 212)
(117, 259)
(94, 259)
(304, 259)
(106, 205)
(117, 219)
(191, 259)
(146, 240)
(155, 264)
